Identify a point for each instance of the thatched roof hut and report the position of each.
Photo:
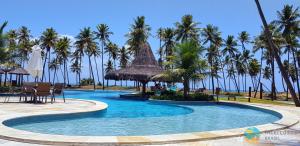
(143, 68)
(19, 71)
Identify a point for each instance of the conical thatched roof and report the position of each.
(143, 67)
(19, 71)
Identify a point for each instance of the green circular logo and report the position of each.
(252, 134)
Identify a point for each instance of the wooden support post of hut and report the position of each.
(142, 69)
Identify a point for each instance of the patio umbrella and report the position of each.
(35, 66)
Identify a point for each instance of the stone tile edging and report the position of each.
(288, 119)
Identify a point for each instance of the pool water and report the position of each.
(130, 118)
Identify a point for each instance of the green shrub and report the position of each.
(179, 97)
(86, 81)
(233, 93)
(4, 89)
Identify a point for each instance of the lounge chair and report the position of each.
(42, 90)
(58, 90)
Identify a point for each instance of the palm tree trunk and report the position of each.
(97, 69)
(44, 65)
(185, 88)
(273, 79)
(91, 70)
(297, 76)
(102, 52)
(260, 71)
(49, 59)
(224, 79)
(64, 72)
(115, 69)
(277, 57)
(79, 73)
(53, 81)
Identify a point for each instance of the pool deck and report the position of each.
(11, 136)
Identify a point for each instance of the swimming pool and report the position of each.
(130, 118)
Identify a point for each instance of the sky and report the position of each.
(67, 17)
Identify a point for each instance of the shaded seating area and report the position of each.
(39, 92)
(142, 69)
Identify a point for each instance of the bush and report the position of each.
(179, 97)
(233, 93)
(86, 81)
(4, 89)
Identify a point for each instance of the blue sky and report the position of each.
(69, 16)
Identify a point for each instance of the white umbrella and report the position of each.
(35, 67)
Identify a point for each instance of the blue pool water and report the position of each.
(128, 118)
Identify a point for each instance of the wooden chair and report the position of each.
(58, 90)
(26, 90)
(42, 90)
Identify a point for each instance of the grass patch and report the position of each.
(256, 100)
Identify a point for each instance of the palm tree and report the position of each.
(288, 21)
(103, 34)
(2, 37)
(275, 49)
(54, 65)
(138, 34)
(254, 69)
(231, 50)
(12, 44)
(187, 29)
(78, 54)
(62, 50)
(113, 50)
(24, 43)
(186, 62)
(160, 36)
(75, 68)
(212, 36)
(96, 53)
(109, 68)
(86, 39)
(3, 50)
(123, 58)
(169, 42)
(48, 41)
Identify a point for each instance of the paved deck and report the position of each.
(287, 136)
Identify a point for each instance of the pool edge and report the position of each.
(288, 119)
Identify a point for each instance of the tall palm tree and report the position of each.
(12, 44)
(2, 38)
(86, 38)
(124, 58)
(254, 69)
(138, 34)
(160, 36)
(288, 21)
(169, 42)
(62, 50)
(212, 35)
(24, 43)
(78, 54)
(103, 34)
(75, 68)
(96, 53)
(54, 65)
(109, 68)
(231, 50)
(276, 54)
(48, 41)
(187, 29)
(113, 50)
